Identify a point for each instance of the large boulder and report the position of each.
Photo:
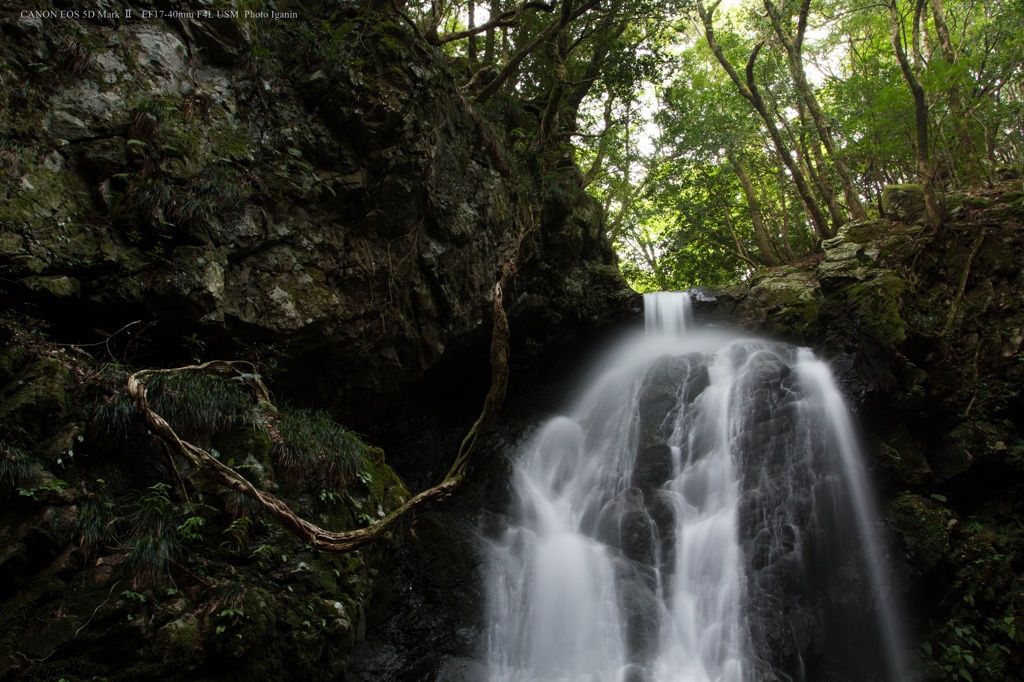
(361, 213)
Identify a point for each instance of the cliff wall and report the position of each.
(311, 195)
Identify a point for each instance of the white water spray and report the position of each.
(689, 521)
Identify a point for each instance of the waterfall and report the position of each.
(702, 515)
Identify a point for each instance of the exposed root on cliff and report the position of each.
(963, 282)
(315, 536)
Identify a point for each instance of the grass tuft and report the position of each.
(154, 538)
(95, 528)
(14, 468)
(312, 446)
(197, 405)
(114, 421)
(74, 56)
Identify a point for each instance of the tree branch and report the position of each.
(506, 18)
(514, 61)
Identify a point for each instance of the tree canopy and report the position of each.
(723, 137)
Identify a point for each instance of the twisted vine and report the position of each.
(312, 534)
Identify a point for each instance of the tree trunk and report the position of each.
(489, 36)
(922, 152)
(817, 171)
(764, 247)
(796, 70)
(750, 93)
(471, 48)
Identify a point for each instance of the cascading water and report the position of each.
(701, 516)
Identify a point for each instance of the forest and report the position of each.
(288, 289)
(725, 137)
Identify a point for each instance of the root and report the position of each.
(315, 536)
(963, 282)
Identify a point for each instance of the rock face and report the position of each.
(333, 204)
(313, 196)
(923, 330)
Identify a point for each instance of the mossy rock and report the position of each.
(876, 302)
(380, 480)
(923, 525)
(250, 447)
(977, 202)
(246, 627)
(180, 639)
(903, 202)
(57, 287)
(41, 397)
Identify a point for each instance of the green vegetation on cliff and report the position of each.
(150, 566)
(332, 197)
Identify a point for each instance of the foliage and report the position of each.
(981, 637)
(198, 404)
(658, 154)
(313, 447)
(154, 537)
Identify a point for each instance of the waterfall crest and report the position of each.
(701, 515)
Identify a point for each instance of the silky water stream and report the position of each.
(702, 515)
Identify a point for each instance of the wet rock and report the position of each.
(672, 381)
(652, 468)
(636, 673)
(640, 611)
(625, 524)
(661, 507)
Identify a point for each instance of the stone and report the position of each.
(624, 523)
(652, 468)
(180, 638)
(64, 125)
(193, 282)
(904, 203)
(57, 287)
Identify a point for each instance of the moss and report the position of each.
(242, 628)
(923, 525)
(241, 443)
(903, 202)
(865, 231)
(383, 484)
(180, 639)
(877, 303)
(40, 399)
(977, 202)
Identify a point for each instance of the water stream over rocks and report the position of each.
(702, 515)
